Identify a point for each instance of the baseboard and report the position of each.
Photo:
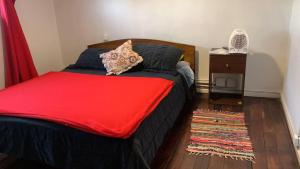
(266, 94)
(289, 121)
(199, 90)
(202, 81)
(250, 93)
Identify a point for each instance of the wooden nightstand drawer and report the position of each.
(227, 64)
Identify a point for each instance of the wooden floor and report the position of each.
(267, 128)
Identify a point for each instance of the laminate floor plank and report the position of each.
(236, 164)
(216, 162)
(202, 162)
(254, 110)
(272, 127)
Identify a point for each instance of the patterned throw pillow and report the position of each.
(121, 59)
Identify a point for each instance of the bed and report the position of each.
(66, 147)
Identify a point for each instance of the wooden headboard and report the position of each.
(189, 50)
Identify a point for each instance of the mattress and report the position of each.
(65, 147)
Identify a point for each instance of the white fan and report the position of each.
(239, 42)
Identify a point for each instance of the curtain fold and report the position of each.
(19, 65)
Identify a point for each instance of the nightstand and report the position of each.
(227, 78)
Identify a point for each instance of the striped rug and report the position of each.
(220, 133)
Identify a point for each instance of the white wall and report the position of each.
(291, 90)
(38, 21)
(79, 24)
(204, 23)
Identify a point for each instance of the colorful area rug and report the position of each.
(220, 133)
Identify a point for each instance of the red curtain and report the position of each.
(19, 65)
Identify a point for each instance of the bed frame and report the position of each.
(16, 144)
(189, 50)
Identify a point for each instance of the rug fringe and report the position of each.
(225, 156)
(213, 131)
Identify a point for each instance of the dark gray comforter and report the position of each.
(68, 148)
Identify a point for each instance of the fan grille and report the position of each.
(239, 41)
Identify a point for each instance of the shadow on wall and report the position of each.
(202, 63)
(263, 74)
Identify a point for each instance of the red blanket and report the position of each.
(105, 105)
